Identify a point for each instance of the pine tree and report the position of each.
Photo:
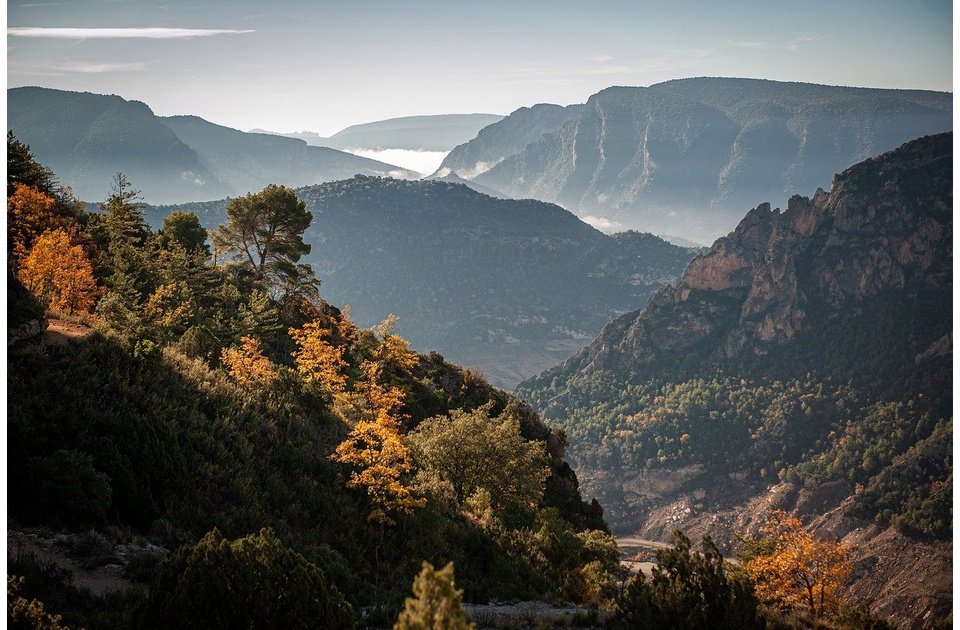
(264, 237)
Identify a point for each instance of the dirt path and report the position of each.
(60, 332)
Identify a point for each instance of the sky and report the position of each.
(319, 65)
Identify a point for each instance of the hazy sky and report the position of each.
(319, 65)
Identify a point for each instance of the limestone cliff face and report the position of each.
(885, 225)
(687, 157)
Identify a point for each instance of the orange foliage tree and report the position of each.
(59, 273)
(796, 570)
(30, 213)
(377, 450)
(246, 364)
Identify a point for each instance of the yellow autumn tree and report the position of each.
(246, 364)
(59, 273)
(30, 213)
(319, 361)
(797, 570)
(377, 450)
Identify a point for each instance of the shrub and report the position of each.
(250, 582)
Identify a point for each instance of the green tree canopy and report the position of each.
(23, 168)
(470, 451)
(125, 221)
(184, 228)
(688, 589)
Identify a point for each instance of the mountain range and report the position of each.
(87, 138)
(441, 132)
(804, 362)
(682, 158)
(686, 157)
(513, 286)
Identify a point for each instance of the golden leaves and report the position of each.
(319, 361)
(377, 449)
(30, 213)
(246, 364)
(59, 273)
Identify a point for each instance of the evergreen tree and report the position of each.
(23, 168)
(184, 229)
(437, 602)
(264, 237)
(123, 234)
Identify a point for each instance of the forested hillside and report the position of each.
(233, 450)
(232, 411)
(513, 286)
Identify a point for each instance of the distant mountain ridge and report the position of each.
(248, 162)
(467, 273)
(503, 138)
(440, 132)
(832, 252)
(87, 138)
(686, 156)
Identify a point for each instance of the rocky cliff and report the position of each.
(886, 225)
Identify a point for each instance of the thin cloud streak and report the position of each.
(548, 73)
(65, 68)
(97, 68)
(122, 33)
(796, 44)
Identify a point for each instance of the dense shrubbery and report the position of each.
(252, 582)
(689, 589)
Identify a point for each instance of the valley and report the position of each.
(265, 348)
